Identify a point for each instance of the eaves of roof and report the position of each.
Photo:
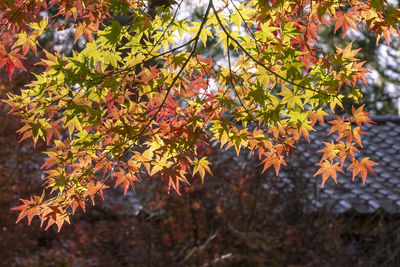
(379, 193)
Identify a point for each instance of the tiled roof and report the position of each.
(379, 193)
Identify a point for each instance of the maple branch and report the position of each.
(244, 22)
(233, 85)
(260, 63)
(145, 60)
(196, 39)
(87, 82)
(218, 105)
(127, 122)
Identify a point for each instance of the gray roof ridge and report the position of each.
(385, 118)
(376, 118)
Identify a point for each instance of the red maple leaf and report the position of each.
(345, 21)
(11, 60)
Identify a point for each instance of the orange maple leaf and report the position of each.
(359, 116)
(347, 53)
(362, 167)
(54, 215)
(30, 208)
(317, 115)
(273, 159)
(76, 202)
(125, 179)
(95, 188)
(330, 151)
(328, 170)
(341, 126)
(85, 29)
(355, 135)
(385, 30)
(175, 176)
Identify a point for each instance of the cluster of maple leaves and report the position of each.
(140, 100)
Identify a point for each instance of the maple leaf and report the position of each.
(52, 60)
(126, 179)
(86, 30)
(95, 188)
(54, 215)
(385, 30)
(30, 208)
(238, 138)
(317, 116)
(27, 42)
(175, 176)
(339, 125)
(221, 130)
(291, 99)
(273, 159)
(328, 169)
(355, 135)
(362, 167)
(347, 53)
(11, 60)
(78, 202)
(201, 167)
(330, 151)
(345, 21)
(143, 158)
(359, 116)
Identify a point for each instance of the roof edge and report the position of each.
(385, 118)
